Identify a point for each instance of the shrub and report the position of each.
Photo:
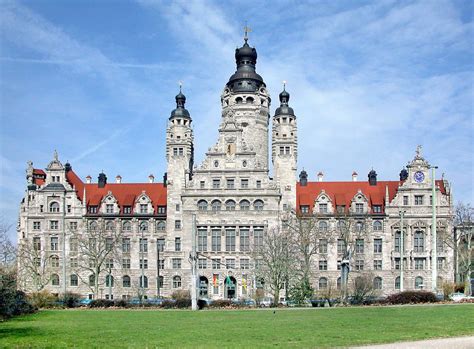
(122, 303)
(407, 297)
(71, 300)
(168, 304)
(459, 287)
(101, 303)
(181, 294)
(183, 303)
(448, 288)
(43, 299)
(221, 303)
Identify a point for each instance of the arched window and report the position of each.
(91, 280)
(230, 205)
(359, 226)
(55, 280)
(126, 281)
(109, 226)
(378, 226)
(143, 226)
(216, 205)
(238, 100)
(74, 280)
(93, 226)
(258, 205)
(202, 205)
(378, 283)
(418, 283)
(176, 281)
(249, 100)
(54, 207)
(338, 283)
(127, 226)
(55, 261)
(419, 241)
(143, 281)
(397, 283)
(161, 225)
(323, 226)
(109, 281)
(244, 205)
(323, 283)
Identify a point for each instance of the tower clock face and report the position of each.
(419, 176)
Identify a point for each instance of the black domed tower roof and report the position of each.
(284, 109)
(180, 110)
(245, 79)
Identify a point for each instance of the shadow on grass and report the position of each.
(11, 333)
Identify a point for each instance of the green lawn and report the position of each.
(313, 327)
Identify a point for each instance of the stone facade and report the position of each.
(234, 202)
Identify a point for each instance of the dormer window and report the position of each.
(340, 208)
(127, 209)
(377, 208)
(359, 208)
(93, 209)
(109, 208)
(143, 208)
(323, 208)
(304, 209)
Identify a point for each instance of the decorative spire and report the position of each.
(55, 155)
(247, 30)
(418, 152)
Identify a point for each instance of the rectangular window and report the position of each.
(287, 150)
(127, 209)
(69, 209)
(216, 263)
(160, 245)
(339, 265)
(202, 185)
(230, 240)
(161, 209)
(177, 224)
(259, 184)
(37, 243)
(282, 150)
(126, 245)
(441, 263)
(161, 264)
(405, 200)
(323, 208)
(377, 209)
(109, 244)
(202, 240)
(144, 245)
(109, 263)
(244, 264)
(178, 208)
(359, 248)
(73, 262)
(109, 208)
(36, 225)
(180, 151)
(143, 263)
(323, 246)
(418, 199)
(419, 242)
(126, 263)
(93, 209)
(230, 184)
(202, 263)
(323, 265)
(54, 225)
(175, 151)
(73, 226)
(177, 244)
(359, 264)
(359, 208)
(176, 263)
(377, 245)
(143, 208)
(304, 209)
(398, 242)
(419, 263)
(244, 239)
(439, 244)
(41, 208)
(230, 263)
(216, 240)
(377, 264)
(54, 243)
(340, 208)
(244, 183)
(341, 246)
(258, 238)
(216, 183)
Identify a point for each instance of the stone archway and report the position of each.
(203, 287)
(230, 287)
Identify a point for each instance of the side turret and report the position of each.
(285, 149)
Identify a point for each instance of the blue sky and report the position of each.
(369, 81)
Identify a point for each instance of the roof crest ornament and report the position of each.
(418, 152)
(247, 30)
(55, 155)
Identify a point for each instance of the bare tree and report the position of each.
(97, 250)
(329, 293)
(363, 287)
(7, 248)
(274, 257)
(34, 266)
(307, 235)
(462, 242)
(350, 230)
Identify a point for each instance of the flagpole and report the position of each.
(193, 266)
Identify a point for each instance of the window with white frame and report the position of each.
(36, 225)
(216, 205)
(323, 208)
(54, 243)
(378, 226)
(419, 241)
(323, 246)
(359, 208)
(244, 205)
(323, 265)
(202, 205)
(143, 245)
(359, 264)
(359, 246)
(230, 183)
(230, 240)
(37, 243)
(216, 240)
(202, 263)
(378, 283)
(244, 263)
(143, 263)
(54, 225)
(202, 239)
(323, 283)
(55, 261)
(377, 245)
(244, 183)
(244, 239)
(230, 205)
(55, 280)
(177, 244)
(109, 208)
(323, 226)
(176, 263)
(418, 283)
(54, 207)
(377, 264)
(216, 263)
(258, 205)
(418, 199)
(230, 263)
(126, 263)
(176, 281)
(126, 245)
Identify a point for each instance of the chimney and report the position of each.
(102, 180)
(88, 179)
(354, 176)
(165, 179)
(151, 179)
(118, 179)
(320, 176)
(303, 178)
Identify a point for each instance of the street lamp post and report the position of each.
(142, 249)
(193, 265)
(402, 248)
(110, 283)
(434, 260)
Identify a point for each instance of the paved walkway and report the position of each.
(442, 343)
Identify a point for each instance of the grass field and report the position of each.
(313, 327)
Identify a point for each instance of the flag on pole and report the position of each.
(244, 283)
(227, 280)
(215, 280)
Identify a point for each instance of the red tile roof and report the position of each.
(38, 176)
(125, 193)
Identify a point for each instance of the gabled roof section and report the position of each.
(125, 193)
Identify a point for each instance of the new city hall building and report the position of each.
(235, 203)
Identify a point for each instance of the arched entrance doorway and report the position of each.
(203, 287)
(230, 287)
